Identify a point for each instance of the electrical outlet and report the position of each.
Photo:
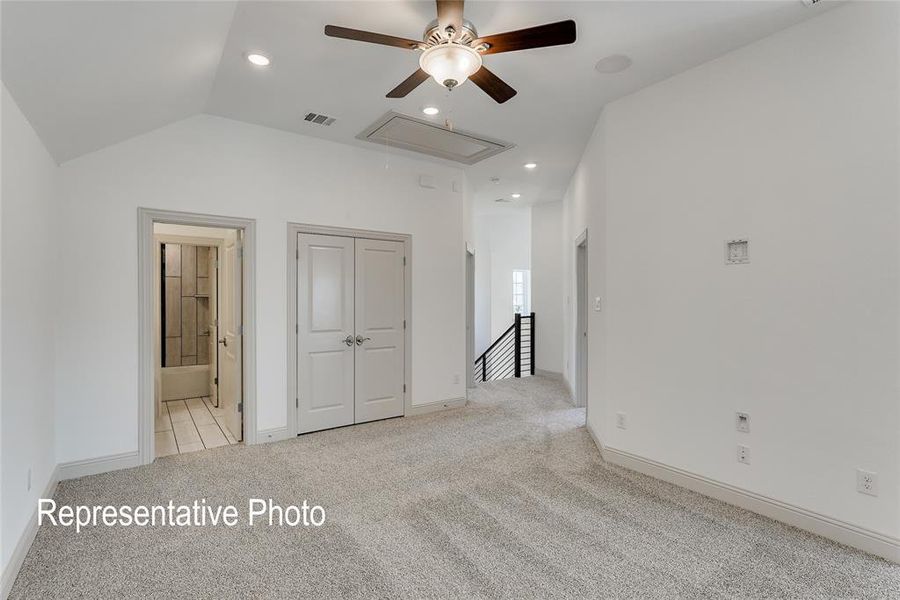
(28, 481)
(621, 420)
(743, 454)
(866, 482)
(742, 422)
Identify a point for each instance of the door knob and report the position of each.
(348, 340)
(360, 339)
(224, 342)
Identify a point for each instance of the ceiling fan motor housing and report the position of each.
(433, 34)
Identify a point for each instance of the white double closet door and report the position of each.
(350, 343)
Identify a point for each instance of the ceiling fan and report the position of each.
(452, 50)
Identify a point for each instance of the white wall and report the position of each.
(506, 235)
(27, 306)
(213, 165)
(792, 141)
(547, 294)
(482, 286)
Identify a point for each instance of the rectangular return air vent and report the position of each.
(319, 119)
(418, 135)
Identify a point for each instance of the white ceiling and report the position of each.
(90, 74)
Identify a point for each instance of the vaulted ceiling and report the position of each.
(91, 74)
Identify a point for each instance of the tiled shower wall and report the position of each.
(186, 285)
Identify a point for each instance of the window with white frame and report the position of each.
(521, 291)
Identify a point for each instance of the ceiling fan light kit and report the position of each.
(452, 50)
(450, 64)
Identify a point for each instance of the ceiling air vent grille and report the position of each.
(426, 137)
(317, 119)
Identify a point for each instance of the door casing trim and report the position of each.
(293, 230)
(146, 409)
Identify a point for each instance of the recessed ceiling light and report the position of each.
(431, 110)
(517, 195)
(259, 60)
(530, 165)
(615, 63)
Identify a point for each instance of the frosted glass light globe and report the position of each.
(450, 64)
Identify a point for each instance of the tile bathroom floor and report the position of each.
(190, 425)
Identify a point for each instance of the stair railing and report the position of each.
(511, 354)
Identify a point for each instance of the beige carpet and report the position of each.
(507, 497)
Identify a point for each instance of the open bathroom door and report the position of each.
(213, 325)
(231, 332)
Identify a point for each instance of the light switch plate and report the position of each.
(598, 304)
(742, 422)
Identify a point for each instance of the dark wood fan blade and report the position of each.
(372, 38)
(492, 85)
(552, 34)
(408, 84)
(450, 13)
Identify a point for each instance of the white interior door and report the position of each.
(231, 342)
(379, 330)
(213, 270)
(325, 340)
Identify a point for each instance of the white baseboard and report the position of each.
(276, 434)
(873, 542)
(11, 571)
(424, 409)
(101, 464)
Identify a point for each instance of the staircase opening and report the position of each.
(511, 354)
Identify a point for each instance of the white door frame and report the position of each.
(293, 230)
(581, 319)
(146, 273)
(470, 318)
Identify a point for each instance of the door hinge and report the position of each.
(404, 261)
(240, 407)
(215, 381)
(404, 323)
(298, 254)
(240, 330)
(404, 388)
(296, 402)
(296, 328)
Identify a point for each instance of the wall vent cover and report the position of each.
(317, 119)
(417, 135)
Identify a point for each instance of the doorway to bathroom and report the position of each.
(198, 375)
(197, 332)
